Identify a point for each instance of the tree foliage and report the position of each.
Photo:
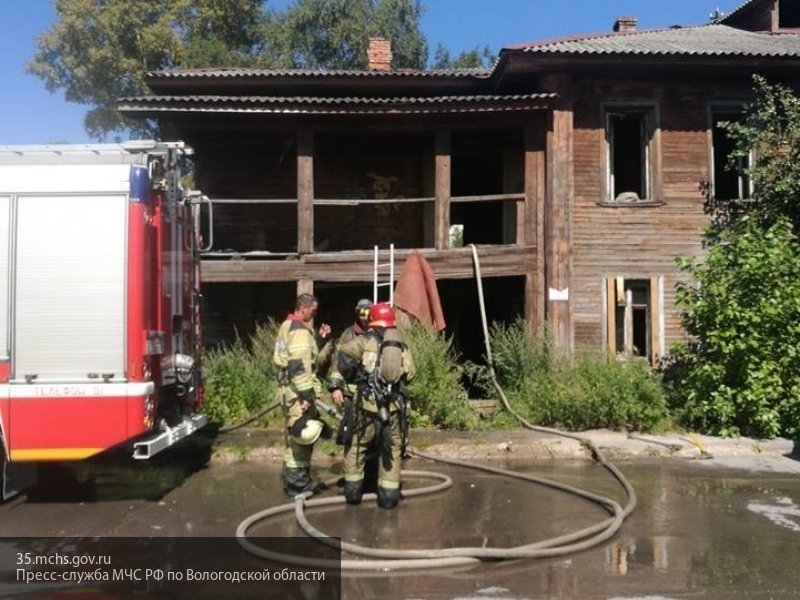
(100, 50)
(476, 58)
(740, 375)
(771, 132)
(334, 34)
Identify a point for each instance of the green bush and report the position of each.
(741, 373)
(239, 379)
(588, 391)
(437, 395)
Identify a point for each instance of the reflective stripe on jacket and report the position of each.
(296, 355)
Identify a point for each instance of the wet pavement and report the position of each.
(710, 529)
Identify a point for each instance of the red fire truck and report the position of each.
(99, 301)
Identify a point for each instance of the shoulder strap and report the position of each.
(393, 344)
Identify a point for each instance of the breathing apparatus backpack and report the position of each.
(390, 366)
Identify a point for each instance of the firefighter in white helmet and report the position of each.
(379, 363)
(295, 356)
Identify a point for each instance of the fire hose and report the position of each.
(378, 559)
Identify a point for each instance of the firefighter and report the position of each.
(342, 392)
(295, 356)
(379, 363)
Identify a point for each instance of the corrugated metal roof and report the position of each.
(318, 104)
(702, 40)
(233, 73)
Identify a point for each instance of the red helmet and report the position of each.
(381, 315)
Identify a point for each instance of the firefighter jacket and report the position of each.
(379, 360)
(335, 379)
(295, 356)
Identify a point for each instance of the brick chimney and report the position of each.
(379, 54)
(625, 24)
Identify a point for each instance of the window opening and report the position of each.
(485, 163)
(788, 14)
(628, 155)
(728, 183)
(633, 317)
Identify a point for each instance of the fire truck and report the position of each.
(99, 302)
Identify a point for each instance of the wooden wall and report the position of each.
(353, 165)
(639, 241)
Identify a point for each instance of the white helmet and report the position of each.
(310, 434)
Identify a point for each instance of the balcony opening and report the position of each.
(485, 164)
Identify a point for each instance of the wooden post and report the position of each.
(611, 317)
(557, 213)
(530, 213)
(442, 189)
(305, 191)
(656, 316)
(305, 286)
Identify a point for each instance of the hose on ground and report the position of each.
(249, 419)
(379, 559)
(595, 451)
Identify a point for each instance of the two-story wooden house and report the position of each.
(578, 166)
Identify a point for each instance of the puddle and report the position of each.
(698, 532)
(782, 512)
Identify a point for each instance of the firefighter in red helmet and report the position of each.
(379, 363)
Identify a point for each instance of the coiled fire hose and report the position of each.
(378, 559)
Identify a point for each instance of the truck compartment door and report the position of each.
(69, 287)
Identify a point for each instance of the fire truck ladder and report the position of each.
(380, 278)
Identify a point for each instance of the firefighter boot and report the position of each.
(353, 491)
(388, 497)
(298, 480)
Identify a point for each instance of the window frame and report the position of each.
(649, 148)
(615, 285)
(714, 110)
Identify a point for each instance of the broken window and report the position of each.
(729, 182)
(628, 136)
(633, 317)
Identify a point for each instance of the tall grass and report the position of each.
(587, 391)
(239, 378)
(437, 394)
(547, 387)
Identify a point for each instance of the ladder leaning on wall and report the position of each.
(380, 276)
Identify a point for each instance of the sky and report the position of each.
(29, 114)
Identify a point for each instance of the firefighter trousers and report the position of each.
(373, 439)
(296, 472)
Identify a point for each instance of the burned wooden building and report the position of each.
(579, 168)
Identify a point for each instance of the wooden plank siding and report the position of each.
(638, 241)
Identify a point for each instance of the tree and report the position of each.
(477, 58)
(740, 373)
(100, 50)
(771, 131)
(334, 34)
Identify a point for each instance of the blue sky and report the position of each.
(29, 114)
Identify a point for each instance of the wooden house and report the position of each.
(578, 166)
